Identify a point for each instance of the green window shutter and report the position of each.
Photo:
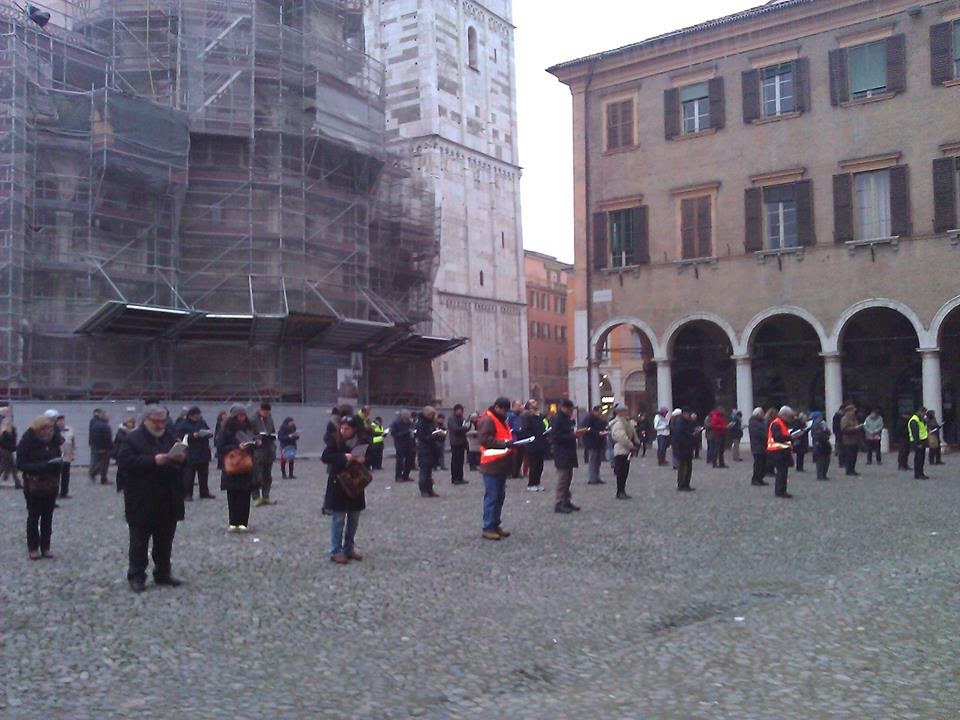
(842, 207)
(803, 193)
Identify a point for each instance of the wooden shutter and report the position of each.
(900, 201)
(944, 194)
(600, 240)
(839, 85)
(842, 208)
(753, 211)
(613, 126)
(801, 84)
(718, 105)
(688, 228)
(626, 123)
(750, 81)
(941, 54)
(641, 235)
(803, 194)
(671, 112)
(897, 64)
(704, 227)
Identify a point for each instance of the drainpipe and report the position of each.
(589, 233)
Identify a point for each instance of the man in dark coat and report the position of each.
(401, 430)
(100, 440)
(152, 496)
(683, 437)
(531, 426)
(197, 466)
(757, 429)
(264, 455)
(563, 436)
(595, 443)
(457, 434)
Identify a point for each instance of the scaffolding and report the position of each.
(197, 202)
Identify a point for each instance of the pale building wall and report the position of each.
(458, 124)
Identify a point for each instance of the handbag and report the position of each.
(353, 479)
(238, 462)
(42, 485)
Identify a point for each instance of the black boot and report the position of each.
(292, 476)
(562, 508)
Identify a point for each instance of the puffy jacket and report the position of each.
(33, 455)
(624, 437)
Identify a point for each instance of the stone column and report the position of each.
(664, 383)
(932, 386)
(832, 383)
(744, 384)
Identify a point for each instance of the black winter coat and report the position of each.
(285, 434)
(198, 450)
(152, 494)
(457, 431)
(101, 437)
(227, 440)
(33, 455)
(757, 427)
(564, 442)
(334, 499)
(595, 425)
(8, 440)
(683, 439)
(426, 442)
(531, 425)
(402, 433)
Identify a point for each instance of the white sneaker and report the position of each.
(242, 528)
(533, 488)
(233, 528)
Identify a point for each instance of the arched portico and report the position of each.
(746, 339)
(835, 339)
(621, 347)
(670, 335)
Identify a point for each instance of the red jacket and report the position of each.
(718, 422)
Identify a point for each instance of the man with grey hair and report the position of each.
(779, 449)
(152, 496)
(757, 431)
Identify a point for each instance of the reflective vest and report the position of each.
(773, 445)
(921, 429)
(488, 455)
(377, 433)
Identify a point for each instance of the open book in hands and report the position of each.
(178, 453)
(267, 436)
(204, 433)
(55, 461)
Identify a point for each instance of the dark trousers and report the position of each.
(404, 462)
(621, 468)
(426, 477)
(823, 465)
(781, 468)
(518, 462)
(919, 458)
(662, 442)
(99, 464)
(263, 473)
(39, 522)
(684, 473)
(284, 463)
(801, 455)
(903, 456)
(719, 445)
(162, 548)
(759, 468)
(473, 459)
(534, 468)
(64, 479)
(935, 455)
(376, 457)
(873, 447)
(238, 507)
(196, 472)
(850, 453)
(457, 454)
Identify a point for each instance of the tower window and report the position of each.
(472, 47)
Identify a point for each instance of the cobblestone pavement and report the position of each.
(724, 603)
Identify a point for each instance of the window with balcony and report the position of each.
(620, 238)
(694, 109)
(622, 242)
(696, 227)
(779, 216)
(780, 213)
(871, 204)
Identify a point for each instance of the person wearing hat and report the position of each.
(779, 449)
(38, 459)
(197, 467)
(426, 449)
(152, 496)
(851, 434)
(100, 440)
(625, 444)
(496, 462)
(344, 509)
(237, 433)
(68, 452)
(682, 438)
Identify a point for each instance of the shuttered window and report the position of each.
(627, 231)
(620, 124)
(956, 50)
(695, 107)
(867, 69)
(778, 90)
(780, 212)
(696, 227)
(946, 193)
(872, 205)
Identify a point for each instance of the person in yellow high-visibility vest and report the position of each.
(376, 444)
(917, 429)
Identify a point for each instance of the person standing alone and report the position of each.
(683, 438)
(100, 440)
(873, 430)
(457, 433)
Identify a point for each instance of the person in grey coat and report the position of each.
(757, 428)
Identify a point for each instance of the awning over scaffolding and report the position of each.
(311, 330)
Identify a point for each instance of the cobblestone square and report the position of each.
(723, 603)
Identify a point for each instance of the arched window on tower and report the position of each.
(472, 47)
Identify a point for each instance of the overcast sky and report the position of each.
(552, 31)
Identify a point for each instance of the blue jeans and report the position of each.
(494, 493)
(594, 458)
(343, 528)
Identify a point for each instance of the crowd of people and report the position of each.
(160, 461)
